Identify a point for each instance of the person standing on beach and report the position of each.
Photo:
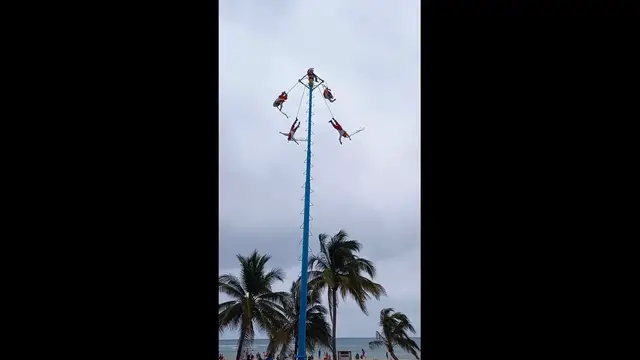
(387, 355)
(362, 354)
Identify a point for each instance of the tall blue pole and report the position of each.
(304, 277)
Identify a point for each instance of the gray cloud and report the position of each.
(368, 52)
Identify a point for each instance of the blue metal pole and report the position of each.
(304, 277)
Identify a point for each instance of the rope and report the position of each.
(294, 85)
(326, 103)
(300, 105)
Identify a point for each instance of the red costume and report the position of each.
(336, 125)
(341, 131)
(280, 101)
(328, 95)
(293, 130)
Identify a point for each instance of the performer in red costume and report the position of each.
(292, 132)
(280, 100)
(336, 125)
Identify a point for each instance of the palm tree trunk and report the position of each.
(334, 299)
(393, 355)
(283, 351)
(271, 348)
(241, 342)
(296, 334)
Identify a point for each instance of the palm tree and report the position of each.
(394, 332)
(317, 328)
(253, 301)
(338, 269)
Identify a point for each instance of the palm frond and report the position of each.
(395, 326)
(341, 235)
(253, 300)
(366, 266)
(272, 276)
(319, 261)
(318, 309)
(403, 322)
(384, 314)
(230, 317)
(227, 304)
(231, 286)
(372, 288)
(409, 346)
(323, 243)
(275, 297)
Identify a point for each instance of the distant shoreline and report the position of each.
(229, 348)
(348, 337)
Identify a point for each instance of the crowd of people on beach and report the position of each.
(249, 355)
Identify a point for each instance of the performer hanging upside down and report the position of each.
(328, 95)
(280, 100)
(341, 131)
(311, 75)
(292, 132)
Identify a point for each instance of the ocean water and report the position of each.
(229, 348)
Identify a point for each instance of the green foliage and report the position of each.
(253, 301)
(317, 328)
(339, 269)
(394, 333)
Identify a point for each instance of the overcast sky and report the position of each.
(368, 52)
